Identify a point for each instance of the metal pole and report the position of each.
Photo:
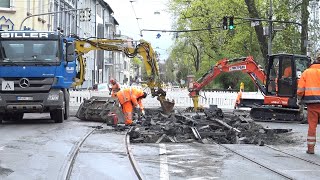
(48, 14)
(270, 30)
(95, 52)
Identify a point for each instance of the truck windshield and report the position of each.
(29, 51)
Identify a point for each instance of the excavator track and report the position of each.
(276, 114)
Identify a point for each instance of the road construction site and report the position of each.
(214, 144)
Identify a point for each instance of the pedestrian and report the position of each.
(115, 87)
(130, 98)
(308, 92)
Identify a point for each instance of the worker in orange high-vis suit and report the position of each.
(115, 87)
(287, 73)
(309, 93)
(129, 98)
(239, 96)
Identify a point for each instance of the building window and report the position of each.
(73, 27)
(56, 16)
(5, 3)
(61, 19)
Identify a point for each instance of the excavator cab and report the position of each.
(283, 73)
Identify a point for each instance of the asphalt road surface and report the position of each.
(37, 148)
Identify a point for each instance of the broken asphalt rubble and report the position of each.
(210, 126)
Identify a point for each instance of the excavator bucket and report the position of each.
(100, 109)
(166, 105)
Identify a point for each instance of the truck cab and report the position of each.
(36, 71)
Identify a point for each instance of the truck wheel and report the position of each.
(19, 116)
(59, 116)
(67, 105)
(8, 117)
(52, 113)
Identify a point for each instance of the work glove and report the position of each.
(143, 112)
(137, 108)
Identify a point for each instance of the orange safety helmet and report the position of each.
(112, 81)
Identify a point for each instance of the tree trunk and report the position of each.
(197, 58)
(259, 29)
(304, 22)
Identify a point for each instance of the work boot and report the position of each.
(310, 150)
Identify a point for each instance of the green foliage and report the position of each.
(214, 43)
(136, 61)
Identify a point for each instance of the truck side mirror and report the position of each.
(70, 48)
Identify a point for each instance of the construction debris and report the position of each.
(210, 126)
(102, 109)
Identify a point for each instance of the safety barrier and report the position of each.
(223, 99)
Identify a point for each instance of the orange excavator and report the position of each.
(279, 91)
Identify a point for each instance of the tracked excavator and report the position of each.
(278, 84)
(97, 108)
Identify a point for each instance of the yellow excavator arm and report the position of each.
(143, 49)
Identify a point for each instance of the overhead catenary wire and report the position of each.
(136, 16)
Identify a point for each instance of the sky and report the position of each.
(126, 13)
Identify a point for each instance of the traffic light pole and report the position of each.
(270, 30)
(48, 14)
(270, 21)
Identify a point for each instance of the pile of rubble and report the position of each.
(210, 126)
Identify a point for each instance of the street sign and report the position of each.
(7, 85)
(254, 23)
(278, 27)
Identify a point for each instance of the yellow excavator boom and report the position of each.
(143, 49)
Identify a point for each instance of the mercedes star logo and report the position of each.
(24, 83)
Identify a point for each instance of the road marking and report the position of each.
(301, 170)
(164, 168)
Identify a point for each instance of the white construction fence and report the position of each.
(223, 99)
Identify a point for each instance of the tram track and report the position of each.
(269, 167)
(67, 168)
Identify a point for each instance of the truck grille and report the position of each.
(26, 84)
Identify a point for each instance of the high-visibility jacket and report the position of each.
(309, 85)
(238, 100)
(287, 72)
(130, 94)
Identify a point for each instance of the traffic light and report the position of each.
(231, 25)
(89, 15)
(82, 15)
(225, 23)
